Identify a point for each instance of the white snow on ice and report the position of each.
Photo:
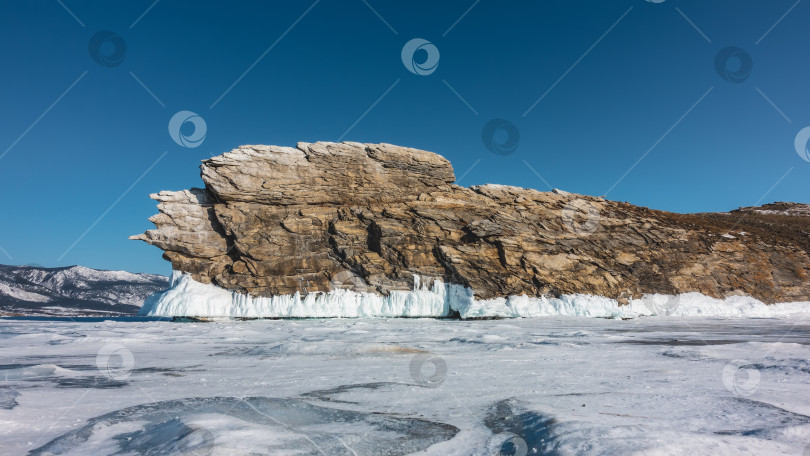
(189, 298)
(557, 385)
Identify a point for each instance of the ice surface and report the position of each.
(555, 385)
(271, 426)
(189, 298)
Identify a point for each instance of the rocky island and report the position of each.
(380, 219)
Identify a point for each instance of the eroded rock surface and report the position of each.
(279, 220)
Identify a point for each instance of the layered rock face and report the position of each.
(369, 217)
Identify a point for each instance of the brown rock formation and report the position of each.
(276, 220)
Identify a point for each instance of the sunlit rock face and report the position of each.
(370, 217)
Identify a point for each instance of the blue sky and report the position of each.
(591, 87)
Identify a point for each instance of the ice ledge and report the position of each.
(189, 298)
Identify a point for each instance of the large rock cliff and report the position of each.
(278, 220)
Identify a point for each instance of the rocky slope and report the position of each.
(278, 220)
(73, 291)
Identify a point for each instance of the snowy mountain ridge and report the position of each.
(74, 290)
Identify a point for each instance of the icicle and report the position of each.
(188, 298)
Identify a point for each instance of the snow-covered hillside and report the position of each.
(74, 290)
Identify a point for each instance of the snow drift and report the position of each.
(189, 298)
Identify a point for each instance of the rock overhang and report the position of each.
(277, 220)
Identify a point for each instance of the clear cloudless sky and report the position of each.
(619, 77)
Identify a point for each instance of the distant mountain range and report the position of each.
(74, 291)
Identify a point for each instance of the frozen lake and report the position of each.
(557, 386)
